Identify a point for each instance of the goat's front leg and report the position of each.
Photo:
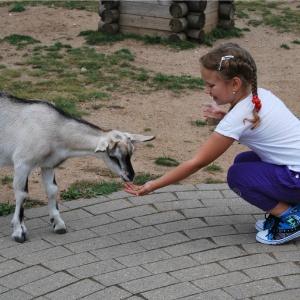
(20, 184)
(51, 189)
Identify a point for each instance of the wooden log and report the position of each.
(177, 37)
(151, 8)
(111, 4)
(178, 24)
(144, 22)
(197, 34)
(110, 16)
(226, 11)
(145, 31)
(100, 25)
(101, 9)
(196, 20)
(226, 24)
(110, 28)
(197, 5)
(178, 10)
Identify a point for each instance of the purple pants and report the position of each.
(263, 184)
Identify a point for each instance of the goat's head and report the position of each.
(116, 149)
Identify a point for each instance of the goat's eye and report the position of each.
(114, 159)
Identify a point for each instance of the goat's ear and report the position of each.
(102, 145)
(137, 138)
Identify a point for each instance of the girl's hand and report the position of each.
(213, 111)
(138, 190)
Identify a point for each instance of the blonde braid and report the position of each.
(256, 101)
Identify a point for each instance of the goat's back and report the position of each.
(33, 127)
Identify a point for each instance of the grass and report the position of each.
(199, 123)
(89, 189)
(82, 70)
(167, 161)
(275, 14)
(213, 167)
(6, 208)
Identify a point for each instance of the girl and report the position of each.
(268, 176)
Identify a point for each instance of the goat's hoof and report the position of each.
(20, 238)
(61, 231)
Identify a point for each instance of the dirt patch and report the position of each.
(169, 116)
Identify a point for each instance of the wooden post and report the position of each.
(178, 10)
(178, 24)
(197, 5)
(196, 20)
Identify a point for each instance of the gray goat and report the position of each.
(38, 134)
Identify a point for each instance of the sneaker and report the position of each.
(265, 224)
(285, 228)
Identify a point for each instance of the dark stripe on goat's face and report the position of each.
(129, 167)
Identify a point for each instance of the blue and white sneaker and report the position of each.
(285, 228)
(265, 224)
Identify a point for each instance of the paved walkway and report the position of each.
(182, 242)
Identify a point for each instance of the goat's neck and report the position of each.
(79, 138)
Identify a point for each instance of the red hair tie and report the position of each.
(257, 103)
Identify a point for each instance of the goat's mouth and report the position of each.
(127, 178)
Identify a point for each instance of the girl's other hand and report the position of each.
(137, 190)
(211, 110)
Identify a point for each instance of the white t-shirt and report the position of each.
(276, 140)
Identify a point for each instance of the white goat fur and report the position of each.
(38, 134)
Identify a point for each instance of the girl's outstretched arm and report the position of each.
(214, 147)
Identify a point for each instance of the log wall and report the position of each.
(173, 20)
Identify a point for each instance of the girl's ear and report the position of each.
(236, 83)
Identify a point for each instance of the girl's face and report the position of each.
(221, 91)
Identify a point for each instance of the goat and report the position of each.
(35, 133)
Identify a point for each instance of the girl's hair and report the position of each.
(230, 60)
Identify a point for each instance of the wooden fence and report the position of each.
(173, 20)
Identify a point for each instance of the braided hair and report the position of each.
(230, 60)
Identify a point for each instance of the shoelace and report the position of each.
(268, 219)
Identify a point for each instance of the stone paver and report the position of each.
(181, 242)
